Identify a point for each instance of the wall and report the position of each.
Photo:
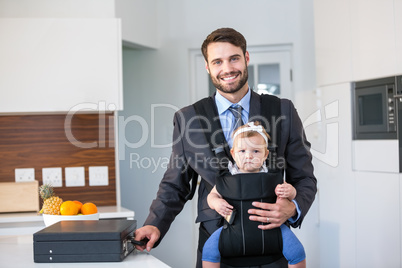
(161, 77)
(139, 22)
(60, 140)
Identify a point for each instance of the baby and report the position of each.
(250, 150)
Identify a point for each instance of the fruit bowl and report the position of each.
(52, 219)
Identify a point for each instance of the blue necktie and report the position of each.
(236, 111)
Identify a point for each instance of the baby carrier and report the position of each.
(269, 115)
(240, 236)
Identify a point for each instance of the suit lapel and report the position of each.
(217, 126)
(255, 105)
(254, 112)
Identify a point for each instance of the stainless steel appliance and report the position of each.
(377, 124)
(375, 111)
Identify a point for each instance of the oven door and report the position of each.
(371, 111)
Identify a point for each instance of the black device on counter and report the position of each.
(85, 241)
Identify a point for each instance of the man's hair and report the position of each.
(228, 35)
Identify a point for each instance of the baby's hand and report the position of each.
(285, 190)
(223, 207)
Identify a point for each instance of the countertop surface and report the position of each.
(30, 222)
(17, 251)
(104, 213)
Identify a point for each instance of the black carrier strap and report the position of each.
(241, 241)
(209, 119)
(270, 112)
(269, 117)
(211, 126)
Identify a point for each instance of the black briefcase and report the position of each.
(85, 241)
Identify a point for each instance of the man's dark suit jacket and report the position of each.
(191, 154)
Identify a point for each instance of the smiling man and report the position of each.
(202, 143)
(228, 71)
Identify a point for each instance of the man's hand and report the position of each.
(276, 214)
(147, 232)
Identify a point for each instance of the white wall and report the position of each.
(162, 77)
(139, 22)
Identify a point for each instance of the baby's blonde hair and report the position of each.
(250, 133)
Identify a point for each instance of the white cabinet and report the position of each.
(357, 40)
(373, 38)
(332, 41)
(53, 65)
(331, 148)
(398, 35)
(378, 219)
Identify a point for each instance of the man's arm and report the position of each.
(299, 167)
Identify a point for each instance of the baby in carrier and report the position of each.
(250, 150)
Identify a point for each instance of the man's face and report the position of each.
(227, 67)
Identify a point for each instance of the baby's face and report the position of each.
(249, 153)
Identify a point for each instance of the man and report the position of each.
(226, 61)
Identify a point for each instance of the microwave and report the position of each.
(376, 104)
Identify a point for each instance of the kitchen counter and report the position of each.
(17, 251)
(31, 222)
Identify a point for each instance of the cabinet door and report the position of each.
(378, 227)
(332, 41)
(50, 65)
(398, 35)
(373, 38)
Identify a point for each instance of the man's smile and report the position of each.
(229, 78)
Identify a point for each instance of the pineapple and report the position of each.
(51, 203)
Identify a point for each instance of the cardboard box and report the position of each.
(19, 197)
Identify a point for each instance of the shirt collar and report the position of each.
(223, 104)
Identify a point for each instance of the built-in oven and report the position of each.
(375, 108)
(377, 125)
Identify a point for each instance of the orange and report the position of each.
(68, 208)
(79, 205)
(89, 208)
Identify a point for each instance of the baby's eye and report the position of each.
(242, 151)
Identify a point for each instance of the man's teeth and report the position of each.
(229, 78)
